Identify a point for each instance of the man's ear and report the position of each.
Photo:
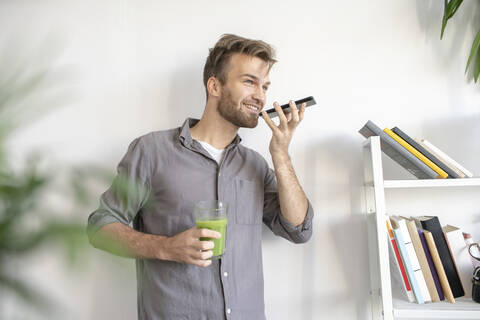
(214, 87)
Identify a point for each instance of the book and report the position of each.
(445, 162)
(398, 153)
(441, 174)
(408, 266)
(442, 276)
(400, 223)
(447, 158)
(433, 270)
(451, 173)
(422, 260)
(461, 257)
(397, 267)
(432, 224)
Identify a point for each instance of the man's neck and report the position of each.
(214, 129)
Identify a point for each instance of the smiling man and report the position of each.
(166, 172)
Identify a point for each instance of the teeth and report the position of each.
(251, 107)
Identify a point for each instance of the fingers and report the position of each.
(269, 121)
(289, 117)
(199, 253)
(202, 252)
(203, 245)
(201, 263)
(301, 114)
(186, 247)
(294, 111)
(285, 118)
(200, 257)
(281, 114)
(207, 233)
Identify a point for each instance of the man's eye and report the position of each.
(249, 81)
(265, 88)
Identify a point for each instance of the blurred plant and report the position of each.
(26, 225)
(450, 9)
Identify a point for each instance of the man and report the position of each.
(168, 171)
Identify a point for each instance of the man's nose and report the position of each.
(260, 96)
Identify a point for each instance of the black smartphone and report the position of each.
(272, 113)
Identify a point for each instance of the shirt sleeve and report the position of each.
(128, 193)
(273, 218)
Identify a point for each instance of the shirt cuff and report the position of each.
(303, 231)
(97, 221)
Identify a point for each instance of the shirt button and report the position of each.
(225, 274)
(229, 311)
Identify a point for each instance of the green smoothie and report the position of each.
(219, 225)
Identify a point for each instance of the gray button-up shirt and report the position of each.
(175, 172)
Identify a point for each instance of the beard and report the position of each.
(229, 110)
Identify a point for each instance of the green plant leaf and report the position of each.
(455, 5)
(444, 19)
(476, 69)
(473, 50)
(449, 10)
(28, 88)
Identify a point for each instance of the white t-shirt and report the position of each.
(217, 154)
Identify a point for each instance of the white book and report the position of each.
(402, 225)
(398, 273)
(461, 257)
(447, 158)
(439, 157)
(406, 262)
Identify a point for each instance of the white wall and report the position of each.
(136, 66)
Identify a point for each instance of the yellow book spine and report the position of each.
(416, 153)
(389, 228)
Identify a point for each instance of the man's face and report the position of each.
(244, 94)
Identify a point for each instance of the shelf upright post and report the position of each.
(380, 285)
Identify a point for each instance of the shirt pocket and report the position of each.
(249, 202)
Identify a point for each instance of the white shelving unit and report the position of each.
(385, 304)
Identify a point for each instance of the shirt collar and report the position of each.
(186, 137)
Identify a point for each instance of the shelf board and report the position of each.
(463, 308)
(431, 183)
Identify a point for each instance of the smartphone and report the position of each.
(272, 113)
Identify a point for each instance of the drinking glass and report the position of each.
(212, 214)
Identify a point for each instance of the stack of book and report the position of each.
(420, 157)
(429, 262)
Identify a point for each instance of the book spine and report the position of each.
(442, 276)
(412, 255)
(461, 257)
(433, 225)
(408, 266)
(399, 263)
(398, 153)
(440, 172)
(396, 261)
(431, 265)
(445, 162)
(451, 173)
(422, 260)
(447, 158)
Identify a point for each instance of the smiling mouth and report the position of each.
(252, 108)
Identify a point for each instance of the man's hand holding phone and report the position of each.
(283, 133)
